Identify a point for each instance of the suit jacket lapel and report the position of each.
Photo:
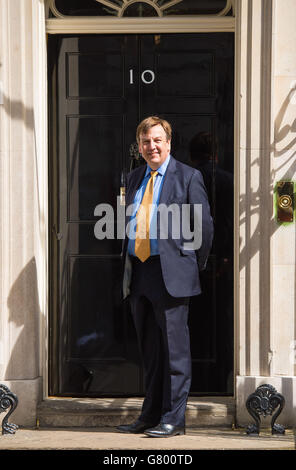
(132, 186)
(134, 183)
(168, 181)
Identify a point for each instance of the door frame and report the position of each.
(161, 25)
(44, 26)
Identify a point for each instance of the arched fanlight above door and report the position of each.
(140, 8)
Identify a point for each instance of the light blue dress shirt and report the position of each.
(158, 182)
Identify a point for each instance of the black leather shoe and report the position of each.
(136, 428)
(165, 430)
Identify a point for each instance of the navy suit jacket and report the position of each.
(180, 267)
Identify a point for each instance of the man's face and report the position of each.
(154, 146)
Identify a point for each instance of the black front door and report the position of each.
(101, 87)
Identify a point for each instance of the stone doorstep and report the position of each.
(95, 412)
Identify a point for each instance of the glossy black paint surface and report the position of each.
(98, 96)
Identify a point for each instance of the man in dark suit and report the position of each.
(162, 273)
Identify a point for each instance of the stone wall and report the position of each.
(21, 210)
(266, 148)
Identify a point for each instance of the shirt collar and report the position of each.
(161, 170)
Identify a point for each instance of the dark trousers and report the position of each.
(163, 335)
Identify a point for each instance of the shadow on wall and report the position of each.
(18, 111)
(254, 201)
(281, 132)
(23, 298)
(256, 214)
(286, 136)
(24, 318)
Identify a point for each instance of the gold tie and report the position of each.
(142, 242)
